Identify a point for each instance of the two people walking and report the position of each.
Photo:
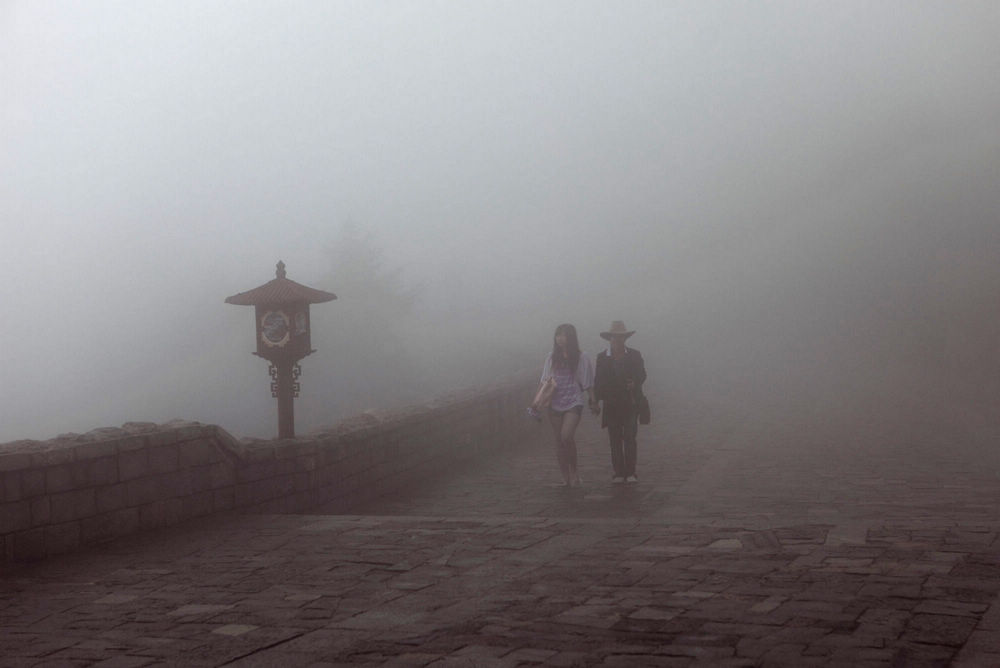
(569, 376)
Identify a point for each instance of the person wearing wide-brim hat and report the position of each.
(620, 373)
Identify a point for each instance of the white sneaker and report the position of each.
(631, 478)
(618, 480)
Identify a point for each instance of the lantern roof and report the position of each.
(281, 290)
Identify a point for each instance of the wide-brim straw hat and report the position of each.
(617, 329)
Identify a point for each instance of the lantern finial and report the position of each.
(280, 273)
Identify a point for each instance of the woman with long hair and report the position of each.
(572, 374)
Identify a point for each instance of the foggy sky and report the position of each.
(789, 172)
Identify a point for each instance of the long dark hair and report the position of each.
(572, 348)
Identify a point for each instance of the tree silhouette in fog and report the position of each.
(358, 269)
(366, 362)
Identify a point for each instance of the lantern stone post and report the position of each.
(283, 336)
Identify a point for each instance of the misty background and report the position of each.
(795, 204)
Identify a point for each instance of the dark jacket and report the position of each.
(610, 386)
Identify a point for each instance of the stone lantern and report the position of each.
(282, 319)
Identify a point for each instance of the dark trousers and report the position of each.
(622, 429)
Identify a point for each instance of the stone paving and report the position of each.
(859, 541)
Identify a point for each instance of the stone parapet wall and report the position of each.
(73, 491)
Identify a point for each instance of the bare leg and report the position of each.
(567, 440)
(557, 425)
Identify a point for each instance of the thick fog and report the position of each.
(791, 202)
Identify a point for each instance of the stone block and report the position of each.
(285, 504)
(82, 472)
(265, 490)
(290, 449)
(302, 501)
(223, 499)
(178, 483)
(349, 466)
(130, 444)
(194, 431)
(111, 497)
(15, 461)
(199, 478)
(162, 459)
(41, 511)
(95, 449)
(133, 464)
(10, 486)
(286, 485)
(197, 453)
(164, 438)
(939, 629)
(61, 538)
(307, 463)
(32, 482)
(302, 481)
(256, 471)
(288, 467)
(163, 512)
(109, 525)
(319, 496)
(102, 434)
(222, 474)
(321, 477)
(259, 453)
(73, 505)
(350, 447)
(143, 490)
(29, 545)
(59, 479)
(242, 495)
(329, 452)
(325, 477)
(104, 471)
(197, 505)
(51, 457)
(15, 516)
